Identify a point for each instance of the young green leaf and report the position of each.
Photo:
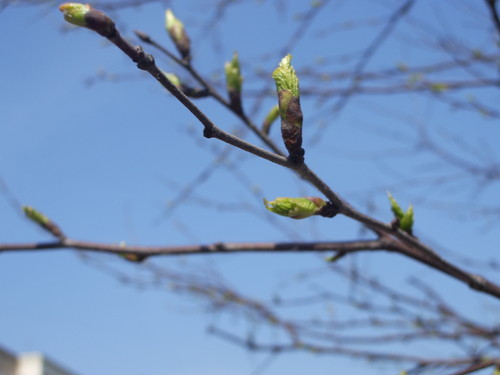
(406, 223)
(396, 209)
(285, 77)
(404, 219)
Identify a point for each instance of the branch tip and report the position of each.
(84, 15)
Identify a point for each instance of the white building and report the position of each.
(29, 364)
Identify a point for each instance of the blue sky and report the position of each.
(105, 160)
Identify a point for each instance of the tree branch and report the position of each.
(219, 247)
(390, 239)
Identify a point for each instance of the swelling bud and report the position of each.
(296, 208)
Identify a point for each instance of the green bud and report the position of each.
(35, 216)
(287, 86)
(174, 26)
(296, 208)
(187, 90)
(75, 13)
(176, 81)
(270, 119)
(175, 29)
(43, 221)
(234, 78)
(85, 16)
(234, 81)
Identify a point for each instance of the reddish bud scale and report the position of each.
(100, 23)
(291, 127)
(235, 100)
(183, 45)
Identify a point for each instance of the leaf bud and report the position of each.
(75, 13)
(85, 16)
(175, 29)
(403, 220)
(287, 86)
(234, 81)
(270, 119)
(43, 221)
(296, 208)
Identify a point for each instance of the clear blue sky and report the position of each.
(105, 161)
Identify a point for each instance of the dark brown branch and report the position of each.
(220, 247)
(478, 366)
(146, 62)
(432, 319)
(187, 65)
(385, 243)
(390, 239)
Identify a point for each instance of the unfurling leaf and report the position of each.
(285, 77)
(406, 223)
(404, 220)
(396, 209)
(296, 208)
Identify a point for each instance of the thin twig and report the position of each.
(219, 247)
(370, 51)
(187, 65)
